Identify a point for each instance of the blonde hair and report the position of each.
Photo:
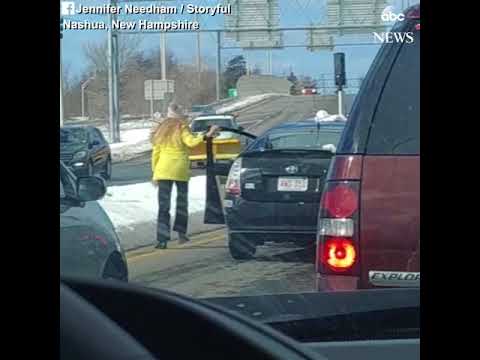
(169, 131)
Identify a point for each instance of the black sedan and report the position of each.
(273, 189)
(89, 245)
(85, 151)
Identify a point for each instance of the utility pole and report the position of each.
(163, 60)
(199, 55)
(61, 74)
(219, 64)
(113, 80)
(269, 64)
(61, 88)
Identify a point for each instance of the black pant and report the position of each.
(181, 216)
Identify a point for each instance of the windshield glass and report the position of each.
(311, 139)
(203, 125)
(73, 136)
(305, 204)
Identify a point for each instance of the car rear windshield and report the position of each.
(308, 139)
(203, 125)
(73, 136)
(396, 123)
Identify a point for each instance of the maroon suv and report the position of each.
(369, 220)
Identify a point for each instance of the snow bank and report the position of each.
(251, 100)
(132, 204)
(133, 142)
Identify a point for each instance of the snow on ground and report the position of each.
(251, 100)
(133, 142)
(133, 204)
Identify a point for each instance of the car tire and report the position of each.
(241, 248)
(107, 171)
(115, 268)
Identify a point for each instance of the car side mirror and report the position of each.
(90, 188)
(95, 143)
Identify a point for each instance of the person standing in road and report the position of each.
(171, 141)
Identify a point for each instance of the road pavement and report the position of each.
(203, 268)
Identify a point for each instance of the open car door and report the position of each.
(213, 205)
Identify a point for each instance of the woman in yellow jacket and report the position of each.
(171, 141)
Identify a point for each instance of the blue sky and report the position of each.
(293, 13)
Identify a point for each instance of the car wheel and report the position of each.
(107, 171)
(241, 248)
(115, 268)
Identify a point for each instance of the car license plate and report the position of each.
(292, 184)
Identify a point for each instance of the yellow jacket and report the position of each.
(170, 161)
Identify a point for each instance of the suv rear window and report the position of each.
(396, 124)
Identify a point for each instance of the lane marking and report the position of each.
(147, 249)
(158, 253)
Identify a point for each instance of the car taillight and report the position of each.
(339, 253)
(341, 201)
(233, 186)
(337, 234)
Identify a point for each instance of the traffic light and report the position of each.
(61, 27)
(340, 78)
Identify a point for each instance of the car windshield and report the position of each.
(73, 136)
(203, 125)
(293, 200)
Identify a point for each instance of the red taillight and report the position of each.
(233, 186)
(338, 227)
(341, 201)
(339, 254)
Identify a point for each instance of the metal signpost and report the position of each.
(156, 90)
(340, 78)
(83, 87)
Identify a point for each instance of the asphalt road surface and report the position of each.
(203, 268)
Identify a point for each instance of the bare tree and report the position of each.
(97, 63)
(97, 52)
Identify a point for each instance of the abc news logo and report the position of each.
(389, 15)
(390, 37)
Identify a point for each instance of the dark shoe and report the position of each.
(183, 238)
(161, 245)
